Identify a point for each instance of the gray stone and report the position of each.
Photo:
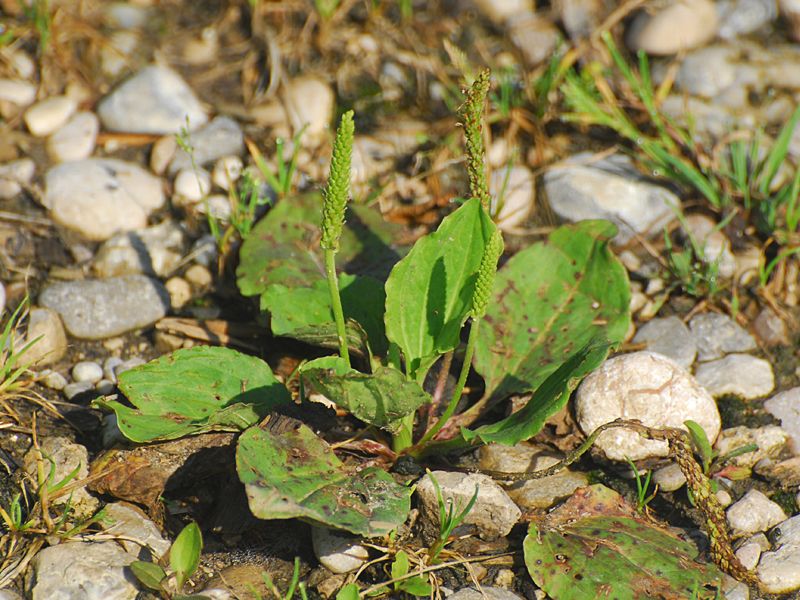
(580, 18)
(779, 570)
(740, 17)
(155, 100)
(221, 137)
(739, 374)
(76, 388)
(44, 325)
(611, 188)
(769, 439)
(786, 407)
(65, 456)
(492, 516)
(753, 513)
(535, 35)
(645, 386)
(138, 534)
(770, 328)
(109, 364)
(485, 593)
(537, 493)
(717, 335)
(668, 336)
(10, 595)
(99, 197)
(76, 139)
(673, 26)
(54, 380)
(156, 250)
(748, 554)
(337, 551)
(96, 309)
(669, 478)
(82, 571)
(708, 71)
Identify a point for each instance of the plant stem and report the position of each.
(336, 303)
(462, 380)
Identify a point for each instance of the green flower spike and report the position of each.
(333, 208)
(486, 273)
(338, 188)
(472, 112)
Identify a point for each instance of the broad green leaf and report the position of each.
(326, 336)
(594, 545)
(381, 399)
(194, 391)
(348, 592)
(701, 443)
(289, 472)
(550, 300)
(306, 309)
(184, 555)
(400, 565)
(149, 574)
(549, 398)
(283, 247)
(429, 292)
(416, 586)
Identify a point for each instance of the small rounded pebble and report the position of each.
(55, 381)
(227, 171)
(669, 478)
(14, 175)
(128, 364)
(162, 154)
(17, 92)
(513, 196)
(191, 185)
(111, 363)
(749, 554)
(71, 390)
(337, 551)
(218, 206)
(76, 139)
(724, 498)
(180, 292)
(47, 116)
(679, 25)
(105, 387)
(87, 371)
(199, 276)
(670, 337)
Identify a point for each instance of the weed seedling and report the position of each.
(282, 177)
(294, 585)
(184, 557)
(448, 519)
(642, 487)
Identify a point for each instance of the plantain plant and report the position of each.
(536, 325)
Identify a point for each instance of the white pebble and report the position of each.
(191, 185)
(218, 206)
(163, 151)
(87, 370)
(227, 171)
(20, 93)
(76, 139)
(753, 513)
(20, 62)
(54, 380)
(749, 554)
(199, 276)
(45, 117)
(180, 292)
(14, 175)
